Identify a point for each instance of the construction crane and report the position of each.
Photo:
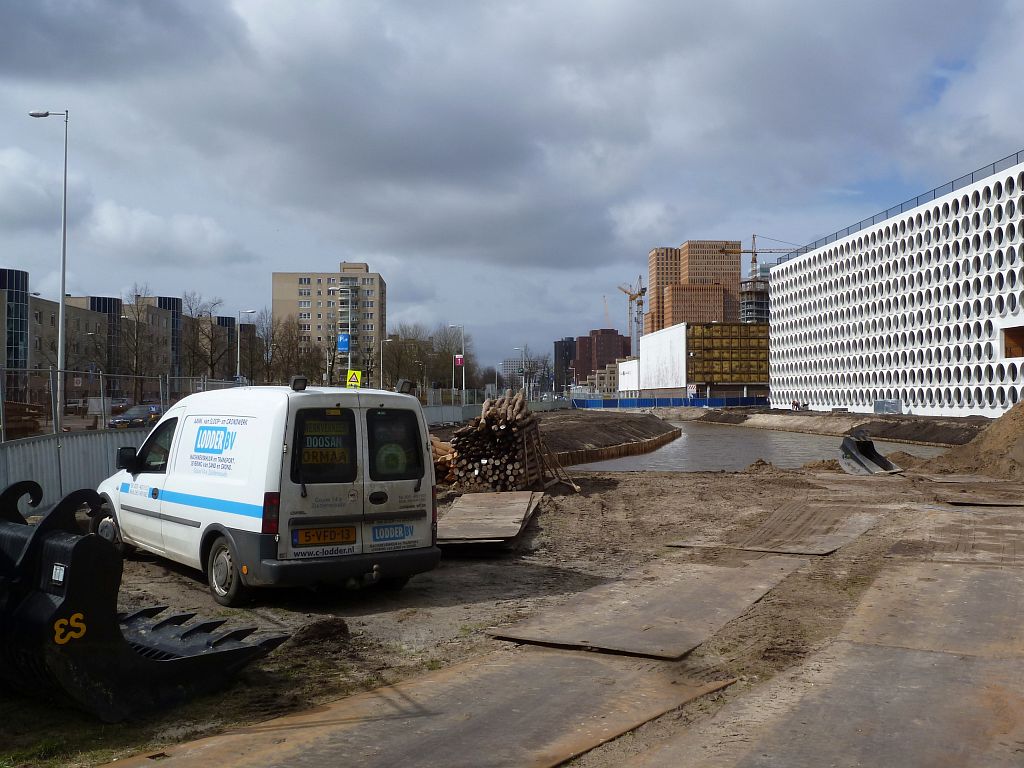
(754, 250)
(635, 296)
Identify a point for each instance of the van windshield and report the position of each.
(324, 446)
(393, 437)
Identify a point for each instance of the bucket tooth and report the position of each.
(232, 634)
(143, 613)
(63, 638)
(202, 628)
(174, 619)
(270, 642)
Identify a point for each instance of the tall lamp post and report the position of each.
(238, 335)
(59, 422)
(522, 367)
(382, 343)
(463, 329)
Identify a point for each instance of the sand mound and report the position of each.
(997, 452)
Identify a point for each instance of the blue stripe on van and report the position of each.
(208, 502)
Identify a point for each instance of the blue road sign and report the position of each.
(343, 342)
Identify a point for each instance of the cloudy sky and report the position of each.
(505, 165)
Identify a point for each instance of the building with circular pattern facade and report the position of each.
(921, 304)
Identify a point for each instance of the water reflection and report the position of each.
(704, 447)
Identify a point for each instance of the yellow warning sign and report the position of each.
(354, 380)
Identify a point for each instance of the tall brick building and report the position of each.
(596, 350)
(694, 283)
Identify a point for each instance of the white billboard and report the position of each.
(629, 376)
(663, 358)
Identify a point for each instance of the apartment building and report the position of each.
(351, 301)
(597, 349)
(918, 305)
(698, 282)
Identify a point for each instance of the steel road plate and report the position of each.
(955, 608)
(533, 707)
(869, 705)
(800, 529)
(480, 517)
(664, 610)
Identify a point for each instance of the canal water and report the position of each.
(704, 447)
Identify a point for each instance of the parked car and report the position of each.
(278, 486)
(137, 416)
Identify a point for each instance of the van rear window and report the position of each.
(324, 446)
(393, 436)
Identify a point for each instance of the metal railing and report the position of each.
(952, 186)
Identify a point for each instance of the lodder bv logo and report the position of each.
(215, 440)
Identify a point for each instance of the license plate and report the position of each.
(323, 537)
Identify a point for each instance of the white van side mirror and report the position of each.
(127, 459)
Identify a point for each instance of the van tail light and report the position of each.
(433, 514)
(271, 512)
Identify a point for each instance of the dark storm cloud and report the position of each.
(82, 40)
(508, 145)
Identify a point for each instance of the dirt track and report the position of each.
(349, 641)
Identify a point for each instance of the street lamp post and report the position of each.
(382, 343)
(463, 329)
(522, 368)
(238, 334)
(58, 424)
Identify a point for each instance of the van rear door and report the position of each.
(399, 481)
(321, 486)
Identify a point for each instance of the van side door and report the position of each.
(321, 507)
(399, 486)
(139, 500)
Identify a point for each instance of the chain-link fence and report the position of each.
(92, 400)
(98, 400)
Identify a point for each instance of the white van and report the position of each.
(275, 486)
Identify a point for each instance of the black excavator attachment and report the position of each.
(62, 637)
(858, 456)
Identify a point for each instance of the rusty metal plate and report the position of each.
(533, 707)
(980, 500)
(865, 705)
(487, 517)
(958, 479)
(664, 610)
(901, 707)
(964, 609)
(798, 528)
(963, 535)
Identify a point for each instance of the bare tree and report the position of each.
(204, 342)
(268, 332)
(144, 355)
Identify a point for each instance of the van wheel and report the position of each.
(105, 526)
(222, 575)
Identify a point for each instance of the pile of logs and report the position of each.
(443, 456)
(499, 450)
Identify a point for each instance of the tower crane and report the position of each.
(635, 320)
(754, 250)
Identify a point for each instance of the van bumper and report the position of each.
(258, 553)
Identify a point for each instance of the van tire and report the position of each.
(222, 574)
(105, 526)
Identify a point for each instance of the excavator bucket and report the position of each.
(858, 456)
(62, 637)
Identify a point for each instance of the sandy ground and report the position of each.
(350, 641)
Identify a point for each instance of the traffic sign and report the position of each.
(354, 379)
(343, 342)
(459, 360)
